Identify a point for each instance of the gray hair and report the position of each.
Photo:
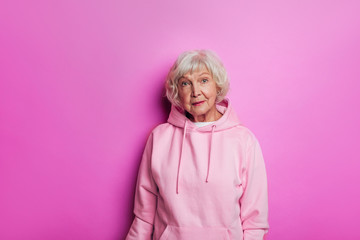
(195, 60)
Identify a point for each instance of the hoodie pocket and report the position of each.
(191, 233)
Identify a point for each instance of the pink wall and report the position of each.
(81, 85)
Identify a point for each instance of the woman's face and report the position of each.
(197, 93)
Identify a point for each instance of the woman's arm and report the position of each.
(254, 201)
(145, 198)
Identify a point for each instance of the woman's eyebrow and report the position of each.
(204, 73)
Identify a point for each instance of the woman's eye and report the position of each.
(205, 80)
(184, 83)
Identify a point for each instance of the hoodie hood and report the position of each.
(228, 120)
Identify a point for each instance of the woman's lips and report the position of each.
(198, 103)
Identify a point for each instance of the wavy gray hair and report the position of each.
(195, 60)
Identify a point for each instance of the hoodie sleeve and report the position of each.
(145, 198)
(254, 201)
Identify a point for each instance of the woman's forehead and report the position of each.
(198, 71)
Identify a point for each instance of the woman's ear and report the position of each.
(218, 90)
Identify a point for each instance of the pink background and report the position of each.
(81, 88)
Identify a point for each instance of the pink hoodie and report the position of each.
(201, 183)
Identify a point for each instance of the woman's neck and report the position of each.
(204, 118)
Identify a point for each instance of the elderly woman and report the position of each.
(202, 174)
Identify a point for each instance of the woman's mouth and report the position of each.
(198, 103)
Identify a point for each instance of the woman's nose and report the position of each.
(195, 91)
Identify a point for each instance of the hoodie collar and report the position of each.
(228, 120)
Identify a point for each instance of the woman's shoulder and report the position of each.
(162, 127)
(245, 133)
(244, 129)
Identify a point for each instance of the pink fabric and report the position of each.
(201, 183)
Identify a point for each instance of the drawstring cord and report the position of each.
(181, 153)
(211, 143)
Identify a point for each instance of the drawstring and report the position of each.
(181, 153)
(211, 143)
